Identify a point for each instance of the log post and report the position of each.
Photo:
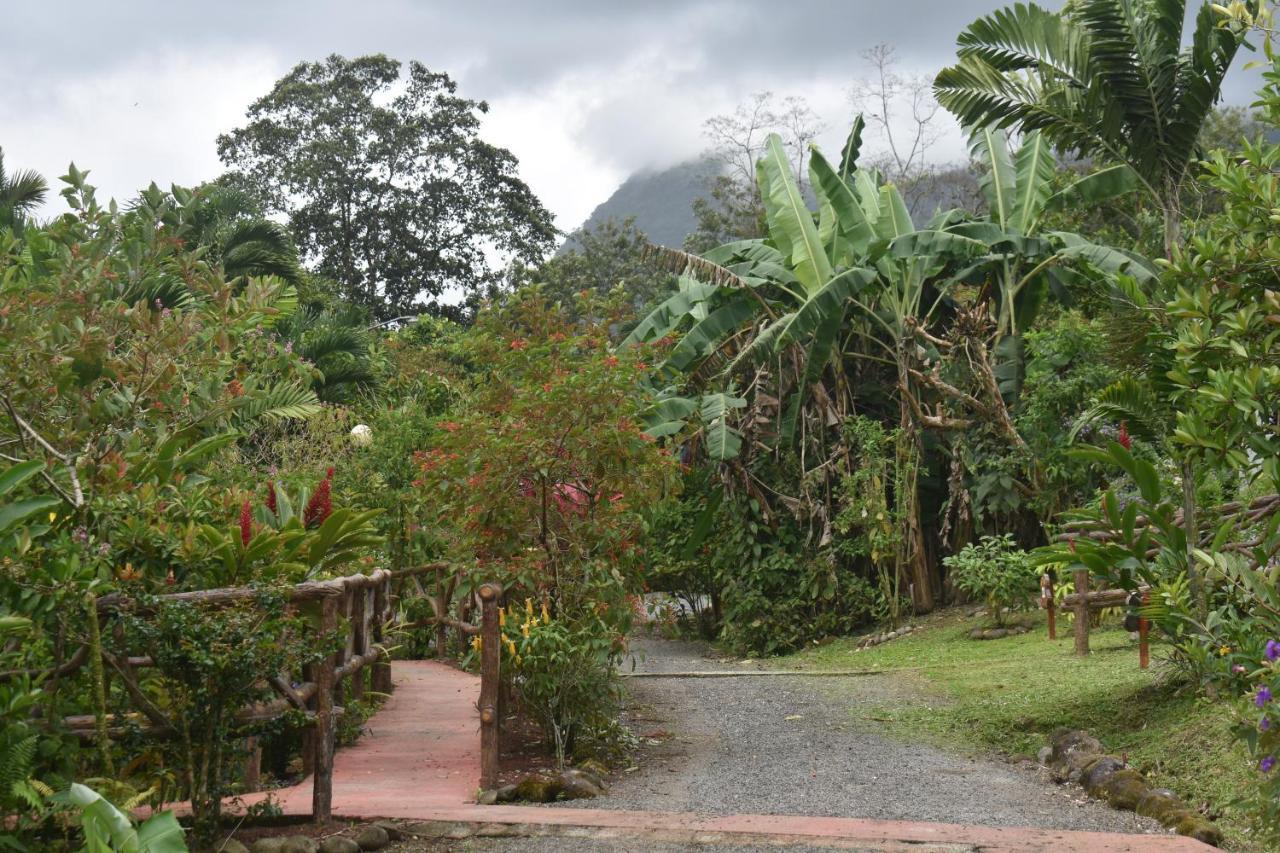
(1046, 600)
(381, 615)
(322, 743)
(1144, 627)
(309, 733)
(442, 610)
(490, 671)
(359, 638)
(252, 765)
(1082, 611)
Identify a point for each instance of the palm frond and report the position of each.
(277, 403)
(1130, 401)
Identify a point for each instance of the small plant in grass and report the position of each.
(995, 571)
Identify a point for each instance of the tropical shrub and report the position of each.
(562, 678)
(996, 572)
(208, 667)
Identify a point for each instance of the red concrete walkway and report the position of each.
(420, 760)
(421, 751)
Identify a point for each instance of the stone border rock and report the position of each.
(998, 633)
(543, 786)
(886, 636)
(373, 836)
(1076, 756)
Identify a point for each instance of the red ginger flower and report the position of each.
(320, 506)
(1125, 441)
(246, 523)
(271, 496)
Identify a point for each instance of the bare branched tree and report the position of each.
(902, 108)
(737, 140)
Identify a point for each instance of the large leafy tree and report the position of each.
(20, 193)
(388, 187)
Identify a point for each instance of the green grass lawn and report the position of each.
(1008, 695)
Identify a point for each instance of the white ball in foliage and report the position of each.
(361, 435)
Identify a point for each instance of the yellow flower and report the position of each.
(53, 516)
(502, 616)
(546, 617)
(528, 606)
(524, 629)
(511, 646)
(476, 642)
(1224, 651)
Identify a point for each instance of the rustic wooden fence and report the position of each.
(1083, 603)
(365, 606)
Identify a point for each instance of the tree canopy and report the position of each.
(386, 184)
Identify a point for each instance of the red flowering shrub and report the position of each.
(543, 478)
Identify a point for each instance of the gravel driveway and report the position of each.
(783, 745)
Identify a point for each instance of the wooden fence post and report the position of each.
(442, 610)
(1082, 611)
(252, 765)
(381, 615)
(359, 638)
(1046, 595)
(1144, 627)
(322, 776)
(490, 671)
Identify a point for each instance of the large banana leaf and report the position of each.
(723, 442)
(667, 416)
(990, 146)
(917, 244)
(789, 219)
(831, 300)
(894, 220)
(1096, 188)
(851, 218)
(669, 313)
(1105, 258)
(706, 335)
(1034, 169)
(852, 148)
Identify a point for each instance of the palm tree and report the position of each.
(1108, 79)
(228, 225)
(338, 349)
(20, 194)
(243, 241)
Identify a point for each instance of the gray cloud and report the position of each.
(583, 92)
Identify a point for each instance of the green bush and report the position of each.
(563, 678)
(995, 571)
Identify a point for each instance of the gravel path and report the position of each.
(778, 745)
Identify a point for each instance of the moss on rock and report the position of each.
(1124, 789)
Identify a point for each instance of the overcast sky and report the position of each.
(584, 93)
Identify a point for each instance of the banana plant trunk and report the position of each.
(915, 557)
